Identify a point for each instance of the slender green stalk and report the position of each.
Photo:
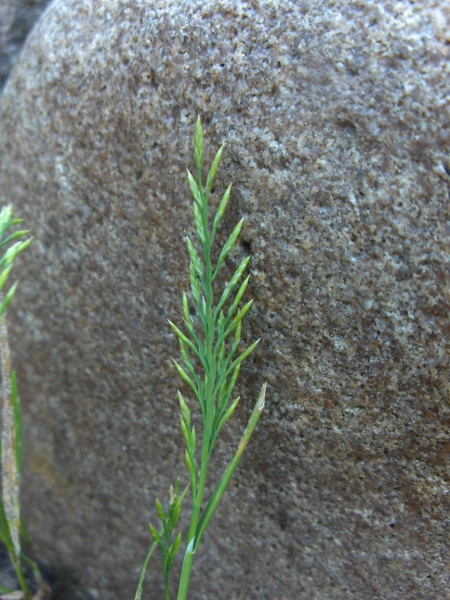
(166, 584)
(144, 571)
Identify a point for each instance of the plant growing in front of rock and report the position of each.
(11, 525)
(210, 365)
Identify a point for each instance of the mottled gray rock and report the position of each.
(335, 118)
(17, 18)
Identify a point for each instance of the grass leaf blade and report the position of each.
(10, 472)
(229, 244)
(232, 284)
(198, 145)
(194, 189)
(221, 210)
(225, 480)
(213, 169)
(138, 595)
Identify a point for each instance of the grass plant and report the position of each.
(210, 364)
(11, 523)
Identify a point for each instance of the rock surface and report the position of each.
(335, 117)
(17, 18)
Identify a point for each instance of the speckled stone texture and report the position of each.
(335, 117)
(17, 18)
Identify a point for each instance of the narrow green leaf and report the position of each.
(182, 336)
(190, 463)
(194, 189)
(233, 283)
(231, 353)
(221, 210)
(225, 480)
(175, 491)
(14, 236)
(190, 327)
(200, 304)
(160, 510)
(224, 367)
(202, 312)
(237, 325)
(173, 551)
(221, 356)
(185, 376)
(4, 275)
(185, 431)
(138, 595)
(155, 535)
(224, 418)
(173, 498)
(213, 169)
(195, 259)
(187, 315)
(9, 296)
(186, 310)
(238, 318)
(225, 395)
(13, 251)
(228, 246)
(243, 356)
(238, 274)
(238, 331)
(220, 320)
(188, 363)
(232, 381)
(5, 220)
(6, 532)
(198, 144)
(195, 285)
(25, 245)
(176, 544)
(199, 226)
(175, 511)
(186, 413)
(193, 441)
(237, 299)
(229, 412)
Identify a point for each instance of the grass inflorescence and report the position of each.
(210, 363)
